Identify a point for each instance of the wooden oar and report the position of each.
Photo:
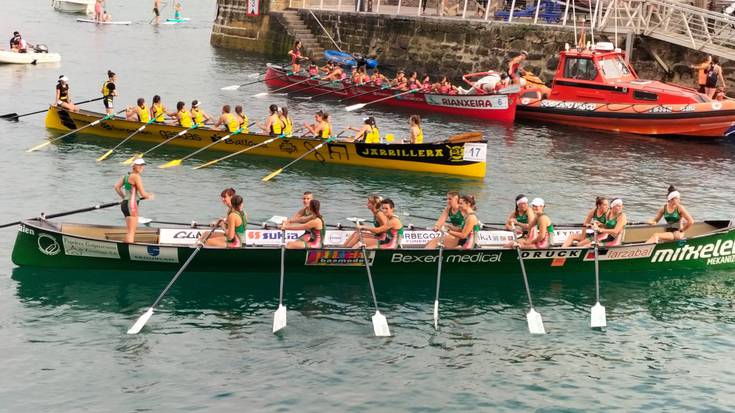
(380, 324)
(137, 131)
(135, 329)
(362, 105)
(279, 170)
(279, 317)
(535, 323)
(177, 162)
(48, 142)
(265, 142)
(438, 282)
(140, 155)
(261, 94)
(235, 87)
(63, 214)
(320, 94)
(365, 93)
(597, 313)
(15, 116)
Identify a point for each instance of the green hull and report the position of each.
(42, 244)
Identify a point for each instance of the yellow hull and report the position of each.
(441, 158)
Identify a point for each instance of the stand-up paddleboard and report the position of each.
(176, 21)
(98, 22)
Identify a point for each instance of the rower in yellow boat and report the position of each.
(287, 122)
(369, 133)
(242, 119)
(158, 110)
(183, 116)
(321, 127)
(139, 112)
(200, 117)
(227, 120)
(274, 124)
(63, 97)
(417, 134)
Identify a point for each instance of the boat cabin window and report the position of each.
(580, 68)
(641, 95)
(614, 67)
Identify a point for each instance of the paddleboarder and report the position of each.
(130, 188)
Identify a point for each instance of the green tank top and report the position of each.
(602, 219)
(128, 189)
(313, 232)
(476, 227)
(456, 219)
(549, 229)
(522, 218)
(673, 217)
(611, 223)
(240, 229)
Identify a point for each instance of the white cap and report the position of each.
(139, 161)
(537, 202)
(672, 195)
(197, 103)
(64, 78)
(616, 202)
(522, 200)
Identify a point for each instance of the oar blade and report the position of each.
(131, 159)
(279, 318)
(104, 156)
(436, 314)
(10, 117)
(380, 325)
(175, 162)
(598, 318)
(232, 87)
(535, 323)
(272, 175)
(355, 107)
(260, 95)
(135, 329)
(37, 147)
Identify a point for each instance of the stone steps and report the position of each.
(301, 32)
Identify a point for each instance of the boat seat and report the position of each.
(142, 237)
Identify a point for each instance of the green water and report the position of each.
(209, 347)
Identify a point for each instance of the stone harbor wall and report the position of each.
(233, 28)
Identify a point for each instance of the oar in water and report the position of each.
(362, 105)
(137, 131)
(317, 86)
(135, 329)
(365, 93)
(438, 281)
(380, 324)
(72, 212)
(535, 323)
(140, 155)
(279, 170)
(261, 94)
(597, 313)
(15, 116)
(255, 75)
(95, 123)
(265, 142)
(177, 162)
(279, 317)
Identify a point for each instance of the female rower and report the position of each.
(613, 229)
(377, 78)
(451, 212)
(295, 54)
(287, 122)
(234, 226)
(521, 217)
(426, 83)
(379, 219)
(158, 111)
(130, 188)
(388, 235)
(273, 125)
(63, 98)
(320, 128)
(200, 117)
(314, 236)
(109, 92)
(362, 76)
(539, 236)
(139, 113)
(417, 135)
(413, 81)
(597, 215)
(400, 82)
(226, 196)
(227, 120)
(673, 213)
(304, 214)
(242, 119)
(183, 116)
(336, 74)
(369, 133)
(466, 237)
(313, 69)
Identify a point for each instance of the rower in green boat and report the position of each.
(598, 215)
(130, 188)
(234, 227)
(379, 219)
(453, 214)
(613, 230)
(304, 214)
(226, 197)
(676, 216)
(541, 228)
(521, 216)
(466, 238)
(388, 235)
(314, 227)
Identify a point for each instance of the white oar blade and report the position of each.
(279, 318)
(135, 329)
(597, 316)
(253, 75)
(436, 314)
(143, 220)
(233, 87)
(355, 107)
(380, 325)
(535, 324)
(260, 95)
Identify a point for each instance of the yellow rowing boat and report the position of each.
(453, 158)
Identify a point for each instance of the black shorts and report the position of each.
(155, 10)
(125, 207)
(107, 101)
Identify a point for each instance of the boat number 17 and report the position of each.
(475, 152)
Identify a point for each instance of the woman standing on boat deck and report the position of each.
(597, 215)
(295, 54)
(234, 225)
(613, 230)
(521, 217)
(130, 188)
(314, 236)
(417, 134)
(466, 237)
(673, 213)
(453, 213)
(714, 74)
(542, 229)
(273, 125)
(388, 235)
(139, 113)
(379, 219)
(63, 97)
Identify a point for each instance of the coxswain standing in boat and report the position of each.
(417, 134)
(234, 226)
(274, 124)
(139, 112)
(453, 213)
(109, 91)
(596, 216)
(227, 120)
(466, 237)
(379, 219)
(388, 235)
(676, 216)
(613, 230)
(63, 97)
(242, 119)
(130, 188)
(521, 217)
(296, 57)
(515, 68)
(304, 214)
(314, 227)
(320, 128)
(200, 117)
(369, 133)
(541, 231)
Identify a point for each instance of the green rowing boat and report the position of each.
(43, 243)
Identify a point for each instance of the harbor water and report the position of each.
(209, 347)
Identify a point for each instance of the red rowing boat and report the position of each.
(493, 107)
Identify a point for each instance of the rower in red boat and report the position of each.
(377, 78)
(400, 82)
(313, 69)
(676, 216)
(515, 68)
(336, 73)
(444, 87)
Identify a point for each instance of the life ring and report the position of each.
(716, 105)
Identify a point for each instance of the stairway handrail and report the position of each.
(325, 30)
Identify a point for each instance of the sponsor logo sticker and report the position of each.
(551, 254)
(476, 257)
(179, 236)
(338, 257)
(89, 248)
(489, 102)
(153, 253)
(48, 244)
(269, 237)
(24, 229)
(719, 252)
(620, 253)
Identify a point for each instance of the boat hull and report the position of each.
(440, 158)
(28, 58)
(499, 108)
(74, 6)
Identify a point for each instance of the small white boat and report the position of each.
(28, 58)
(74, 6)
(98, 22)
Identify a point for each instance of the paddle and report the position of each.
(279, 317)
(177, 162)
(135, 329)
(63, 214)
(261, 94)
(107, 117)
(15, 116)
(597, 313)
(362, 105)
(265, 142)
(380, 324)
(365, 93)
(438, 281)
(140, 155)
(140, 129)
(279, 170)
(235, 87)
(535, 323)
(320, 94)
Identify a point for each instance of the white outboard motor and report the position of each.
(40, 48)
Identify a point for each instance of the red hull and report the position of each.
(498, 108)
